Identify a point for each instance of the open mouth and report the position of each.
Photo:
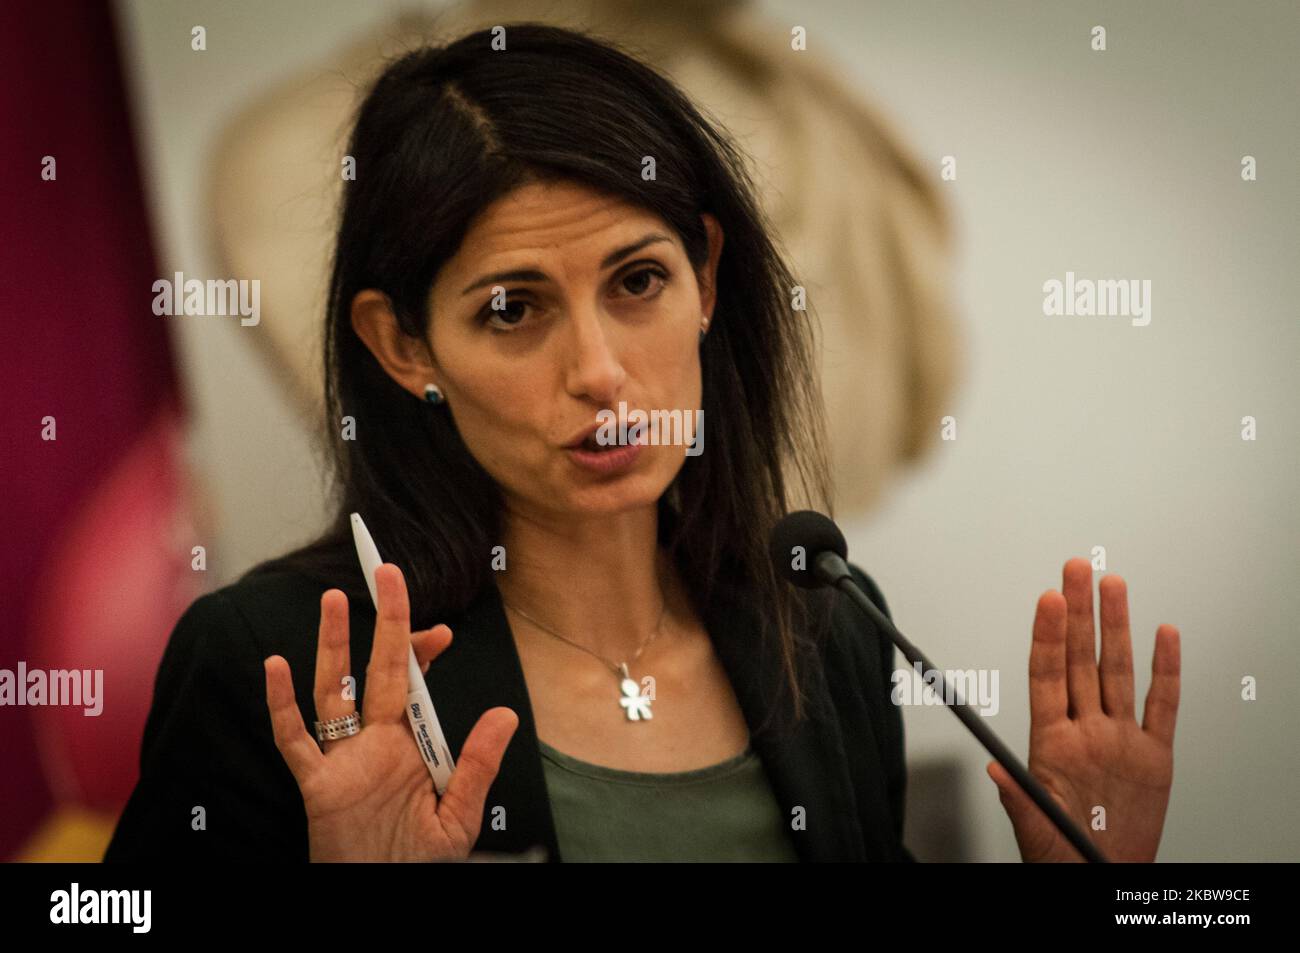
(605, 459)
(595, 446)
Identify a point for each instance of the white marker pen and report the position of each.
(419, 708)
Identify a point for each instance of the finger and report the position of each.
(332, 661)
(461, 807)
(429, 644)
(1162, 698)
(1116, 665)
(1081, 639)
(1018, 805)
(1034, 830)
(1008, 790)
(386, 675)
(296, 746)
(1048, 702)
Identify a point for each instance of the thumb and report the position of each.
(1036, 836)
(1013, 798)
(461, 805)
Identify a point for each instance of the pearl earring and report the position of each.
(433, 394)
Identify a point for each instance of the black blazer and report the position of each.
(208, 739)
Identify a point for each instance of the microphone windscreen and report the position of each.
(812, 531)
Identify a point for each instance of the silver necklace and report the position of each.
(635, 705)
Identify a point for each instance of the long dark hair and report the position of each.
(445, 131)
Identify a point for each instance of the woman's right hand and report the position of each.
(369, 797)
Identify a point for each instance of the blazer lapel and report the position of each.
(481, 670)
(806, 765)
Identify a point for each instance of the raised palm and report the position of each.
(1085, 745)
(369, 796)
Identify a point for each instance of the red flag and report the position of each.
(95, 561)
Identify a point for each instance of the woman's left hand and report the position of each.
(1085, 745)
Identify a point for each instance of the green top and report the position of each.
(724, 812)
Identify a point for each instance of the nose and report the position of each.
(593, 370)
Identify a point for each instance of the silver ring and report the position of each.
(337, 728)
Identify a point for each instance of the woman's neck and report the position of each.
(600, 582)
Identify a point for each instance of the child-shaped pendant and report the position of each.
(634, 703)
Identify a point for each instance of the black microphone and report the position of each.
(823, 549)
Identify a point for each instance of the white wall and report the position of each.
(1073, 431)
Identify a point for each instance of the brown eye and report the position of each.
(504, 315)
(639, 282)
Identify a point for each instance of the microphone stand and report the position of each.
(831, 569)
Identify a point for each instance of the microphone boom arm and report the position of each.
(834, 571)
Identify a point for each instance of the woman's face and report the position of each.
(597, 304)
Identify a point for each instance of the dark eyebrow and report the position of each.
(613, 258)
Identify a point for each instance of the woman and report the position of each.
(540, 229)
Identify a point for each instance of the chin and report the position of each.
(606, 498)
(607, 501)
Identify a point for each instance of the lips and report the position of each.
(587, 440)
(607, 461)
(588, 433)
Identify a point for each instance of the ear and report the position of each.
(708, 278)
(405, 359)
